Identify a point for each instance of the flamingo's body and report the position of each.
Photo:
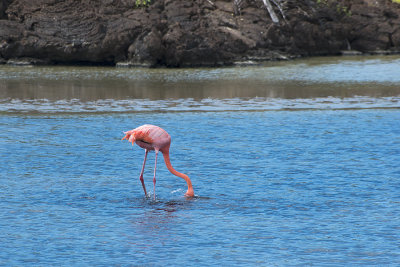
(150, 137)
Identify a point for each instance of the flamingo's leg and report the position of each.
(141, 173)
(154, 179)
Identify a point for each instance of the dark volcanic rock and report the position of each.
(191, 33)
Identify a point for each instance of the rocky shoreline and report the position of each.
(181, 33)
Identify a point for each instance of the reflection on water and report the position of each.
(28, 88)
(207, 104)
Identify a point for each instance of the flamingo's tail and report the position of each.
(130, 136)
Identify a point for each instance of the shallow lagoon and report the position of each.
(294, 171)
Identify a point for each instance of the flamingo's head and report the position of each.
(189, 193)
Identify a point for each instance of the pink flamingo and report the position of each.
(150, 137)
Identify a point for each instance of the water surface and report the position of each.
(349, 82)
(301, 169)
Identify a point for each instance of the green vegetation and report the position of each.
(396, 1)
(142, 3)
(339, 8)
(343, 9)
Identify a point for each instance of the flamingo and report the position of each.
(151, 137)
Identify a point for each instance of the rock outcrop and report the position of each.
(178, 33)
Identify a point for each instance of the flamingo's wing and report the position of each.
(143, 135)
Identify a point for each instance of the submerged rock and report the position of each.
(179, 33)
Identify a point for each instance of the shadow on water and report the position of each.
(150, 201)
(167, 205)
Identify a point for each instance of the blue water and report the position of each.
(300, 187)
(292, 163)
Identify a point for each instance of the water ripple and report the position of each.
(207, 104)
(305, 187)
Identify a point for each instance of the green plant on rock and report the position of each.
(340, 9)
(142, 3)
(396, 1)
(343, 9)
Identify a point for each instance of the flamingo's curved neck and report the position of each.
(190, 192)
